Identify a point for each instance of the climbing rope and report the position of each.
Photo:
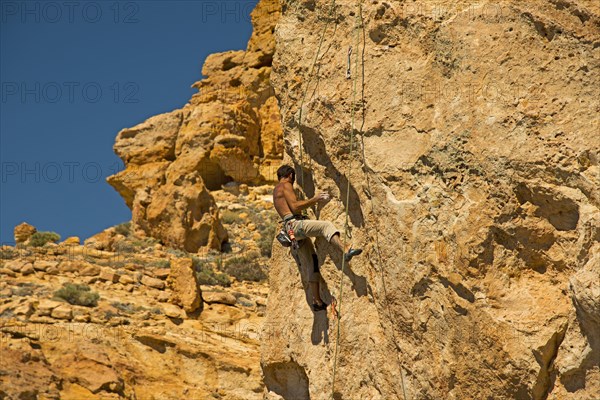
(300, 142)
(358, 25)
(310, 77)
(352, 128)
(373, 212)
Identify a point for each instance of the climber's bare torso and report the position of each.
(281, 193)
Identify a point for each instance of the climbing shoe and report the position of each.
(351, 253)
(319, 307)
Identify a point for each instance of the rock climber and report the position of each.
(289, 208)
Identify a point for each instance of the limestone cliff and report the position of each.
(473, 188)
(124, 317)
(229, 131)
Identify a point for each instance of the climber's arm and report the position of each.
(298, 205)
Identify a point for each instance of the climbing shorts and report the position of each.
(304, 228)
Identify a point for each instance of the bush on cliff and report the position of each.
(77, 294)
(206, 275)
(123, 229)
(39, 239)
(244, 268)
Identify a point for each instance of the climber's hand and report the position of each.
(322, 197)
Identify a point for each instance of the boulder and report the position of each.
(45, 306)
(23, 232)
(161, 273)
(88, 269)
(184, 284)
(152, 282)
(27, 269)
(67, 266)
(163, 296)
(71, 241)
(172, 311)
(108, 275)
(219, 297)
(102, 240)
(25, 309)
(15, 265)
(126, 279)
(63, 311)
(53, 270)
(7, 272)
(43, 265)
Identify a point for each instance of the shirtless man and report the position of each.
(289, 208)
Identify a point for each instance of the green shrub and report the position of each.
(160, 264)
(145, 242)
(244, 268)
(177, 253)
(76, 294)
(24, 289)
(266, 223)
(230, 217)
(116, 264)
(39, 239)
(8, 253)
(123, 229)
(109, 315)
(127, 308)
(206, 275)
(124, 247)
(265, 244)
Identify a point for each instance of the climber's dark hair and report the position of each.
(284, 171)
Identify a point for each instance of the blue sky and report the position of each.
(72, 75)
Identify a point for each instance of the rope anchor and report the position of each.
(348, 74)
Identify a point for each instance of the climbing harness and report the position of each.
(283, 238)
(292, 237)
(286, 236)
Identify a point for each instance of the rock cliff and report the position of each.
(473, 186)
(229, 131)
(124, 317)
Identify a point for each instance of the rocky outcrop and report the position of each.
(184, 284)
(140, 338)
(473, 187)
(23, 232)
(229, 131)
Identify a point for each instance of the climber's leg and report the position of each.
(312, 228)
(315, 285)
(326, 229)
(336, 241)
(349, 252)
(309, 261)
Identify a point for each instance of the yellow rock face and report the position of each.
(474, 192)
(229, 131)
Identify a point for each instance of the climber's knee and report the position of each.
(330, 231)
